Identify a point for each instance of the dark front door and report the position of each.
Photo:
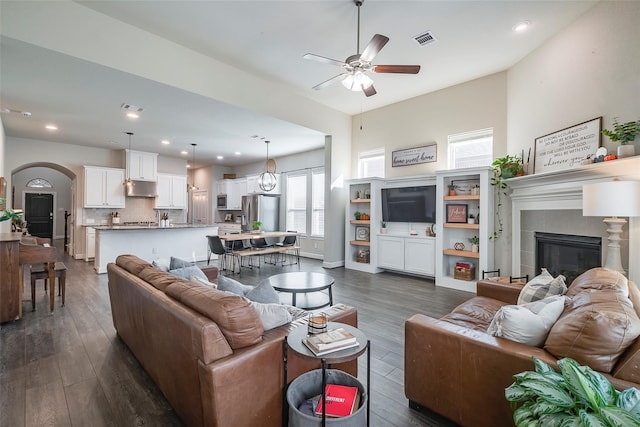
(38, 212)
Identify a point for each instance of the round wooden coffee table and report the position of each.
(310, 284)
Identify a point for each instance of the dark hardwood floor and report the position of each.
(70, 368)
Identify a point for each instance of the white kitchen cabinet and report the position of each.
(235, 190)
(142, 166)
(224, 186)
(103, 187)
(90, 243)
(411, 254)
(172, 192)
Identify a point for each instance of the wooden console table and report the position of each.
(10, 289)
(14, 256)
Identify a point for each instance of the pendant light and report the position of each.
(193, 169)
(267, 180)
(128, 181)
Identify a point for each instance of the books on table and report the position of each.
(342, 400)
(330, 341)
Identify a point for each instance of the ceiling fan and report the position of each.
(356, 66)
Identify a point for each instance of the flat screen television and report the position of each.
(409, 204)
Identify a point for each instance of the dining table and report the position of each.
(262, 234)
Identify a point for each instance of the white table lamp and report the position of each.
(612, 199)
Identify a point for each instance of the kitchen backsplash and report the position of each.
(136, 210)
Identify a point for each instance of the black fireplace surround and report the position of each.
(567, 254)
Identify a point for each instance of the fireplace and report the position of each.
(567, 254)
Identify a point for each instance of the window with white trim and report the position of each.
(371, 163)
(471, 149)
(297, 202)
(317, 202)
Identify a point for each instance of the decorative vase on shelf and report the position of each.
(475, 248)
(626, 150)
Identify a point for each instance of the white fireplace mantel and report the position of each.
(562, 190)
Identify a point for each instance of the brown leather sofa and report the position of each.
(454, 368)
(205, 349)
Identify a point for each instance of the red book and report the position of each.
(341, 400)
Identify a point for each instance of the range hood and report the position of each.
(142, 189)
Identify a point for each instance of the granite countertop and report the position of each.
(106, 227)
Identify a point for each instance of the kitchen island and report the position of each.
(149, 242)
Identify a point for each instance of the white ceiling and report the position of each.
(267, 39)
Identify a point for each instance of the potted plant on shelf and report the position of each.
(452, 189)
(503, 168)
(577, 396)
(471, 219)
(475, 241)
(256, 226)
(383, 227)
(625, 134)
(357, 215)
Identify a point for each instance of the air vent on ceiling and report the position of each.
(425, 38)
(130, 107)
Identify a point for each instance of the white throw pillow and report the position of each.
(272, 315)
(541, 287)
(527, 323)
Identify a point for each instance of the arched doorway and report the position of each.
(28, 192)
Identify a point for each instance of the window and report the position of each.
(471, 149)
(297, 203)
(317, 202)
(305, 202)
(371, 163)
(39, 183)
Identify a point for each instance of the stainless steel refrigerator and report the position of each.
(261, 207)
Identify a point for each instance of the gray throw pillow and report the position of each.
(176, 263)
(272, 315)
(227, 284)
(263, 293)
(187, 272)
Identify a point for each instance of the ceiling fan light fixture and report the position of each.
(357, 81)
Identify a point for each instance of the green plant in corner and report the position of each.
(503, 168)
(256, 225)
(576, 396)
(623, 133)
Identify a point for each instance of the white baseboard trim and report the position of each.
(335, 264)
(311, 255)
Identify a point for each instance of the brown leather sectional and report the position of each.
(454, 368)
(206, 350)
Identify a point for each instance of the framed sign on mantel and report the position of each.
(567, 148)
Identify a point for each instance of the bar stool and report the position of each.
(40, 272)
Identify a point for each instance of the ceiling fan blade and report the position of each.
(324, 60)
(369, 91)
(328, 82)
(375, 45)
(401, 69)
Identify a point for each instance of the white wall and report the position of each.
(590, 69)
(478, 104)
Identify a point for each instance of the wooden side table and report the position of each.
(294, 342)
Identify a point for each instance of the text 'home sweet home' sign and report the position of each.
(567, 148)
(414, 156)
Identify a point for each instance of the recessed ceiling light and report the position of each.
(165, 142)
(237, 153)
(184, 152)
(51, 127)
(133, 115)
(521, 26)
(219, 157)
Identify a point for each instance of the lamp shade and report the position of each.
(611, 199)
